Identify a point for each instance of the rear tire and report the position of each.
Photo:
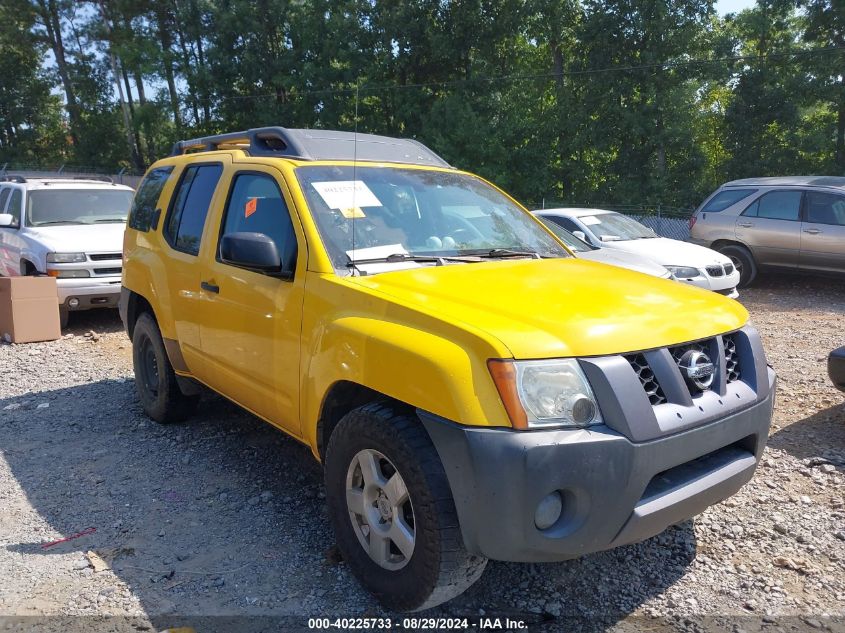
(155, 380)
(743, 261)
(426, 564)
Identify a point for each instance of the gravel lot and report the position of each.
(225, 516)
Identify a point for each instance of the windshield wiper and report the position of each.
(502, 252)
(111, 220)
(52, 222)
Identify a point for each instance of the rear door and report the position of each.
(184, 232)
(771, 227)
(823, 231)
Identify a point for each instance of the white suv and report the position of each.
(70, 229)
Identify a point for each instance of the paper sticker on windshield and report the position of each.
(589, 220)
(352, 213)
(346, 194)
(250, 207)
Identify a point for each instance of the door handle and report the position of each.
(745, 225)
(812, 231)
(209, 287)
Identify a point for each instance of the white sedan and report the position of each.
(583, 250)
(689, 263)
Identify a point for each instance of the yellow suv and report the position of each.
(473, 390)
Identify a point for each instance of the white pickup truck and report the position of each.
(68, 228)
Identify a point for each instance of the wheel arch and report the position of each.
(342, 397)
(136, 305)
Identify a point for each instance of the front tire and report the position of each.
(392, 510)
(155, 380)
(743, 261)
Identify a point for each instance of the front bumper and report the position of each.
(90, 292)
(725, 284)
(615, 490)
(836, 368)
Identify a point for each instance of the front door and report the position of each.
(771, 227)
(250, 320)
(823, 232)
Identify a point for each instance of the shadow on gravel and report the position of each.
(819, 437)
(102, 321)
(794, 290)
(225, 516)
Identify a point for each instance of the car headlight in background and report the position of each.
(684, 272)
(545, 393)
(65, 258)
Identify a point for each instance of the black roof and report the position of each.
(282, 142)
(787, 181)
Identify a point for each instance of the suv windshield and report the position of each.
(77, 206)
(616, 226)
(415, 212)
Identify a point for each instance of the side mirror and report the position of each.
(255, 251)
(7, 219)
(580, 235)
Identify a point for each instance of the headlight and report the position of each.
(65, 258)
(684, 272)
(545, 393)
(67, 274)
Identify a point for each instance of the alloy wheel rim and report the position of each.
(380, 509)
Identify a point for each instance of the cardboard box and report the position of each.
(29, 309)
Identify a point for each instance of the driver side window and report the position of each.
(14, 208)
(256, 205)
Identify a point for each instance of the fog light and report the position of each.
(73, 303)
(548, 511)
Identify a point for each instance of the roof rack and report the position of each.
(301, 144)
(13, 178)
(107, 179)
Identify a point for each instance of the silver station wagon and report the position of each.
(788, 223)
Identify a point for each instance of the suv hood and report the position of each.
(562, 307)
(668, 252)
(77, 238)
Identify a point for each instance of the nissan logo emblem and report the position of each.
(697, 369)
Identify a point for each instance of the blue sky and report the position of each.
(732, 6)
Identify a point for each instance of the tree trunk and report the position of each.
(49, 13)
(124, 106)
(840, 130)
(189, 75)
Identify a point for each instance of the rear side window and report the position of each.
(725, 199)
(825, 208)
(776, 205)
(146, 198)
(4, 195)
(186, 219)
(256, 205)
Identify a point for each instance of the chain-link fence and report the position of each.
(666, 220)
(122, 176)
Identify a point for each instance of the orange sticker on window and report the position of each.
(250, 207)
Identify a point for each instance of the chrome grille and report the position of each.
(647, 378)
(729, 268)
(715, 271)
(731, 358)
